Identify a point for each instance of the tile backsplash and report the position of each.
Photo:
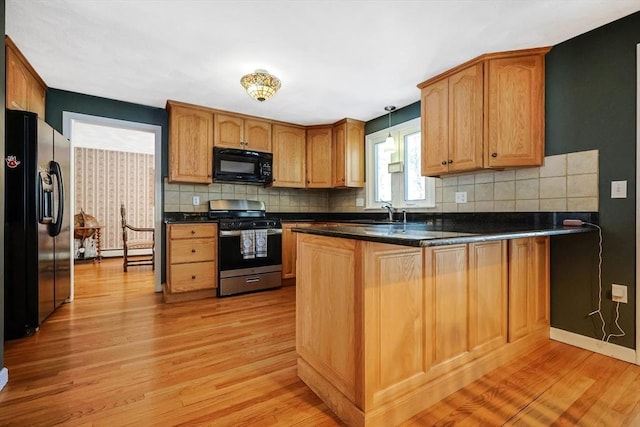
(566, 182)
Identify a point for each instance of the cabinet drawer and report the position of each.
(187, 231)
(193, 276)
(192, 250)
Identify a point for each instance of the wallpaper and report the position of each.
(104, 179)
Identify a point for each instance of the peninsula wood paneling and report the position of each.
(328, 337)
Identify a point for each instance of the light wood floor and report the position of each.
(118, 356)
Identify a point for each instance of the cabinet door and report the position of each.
(466, 119)
(354, 155)
(289, 248)
(528, 286)
(540, 282)
(487, 295)
(288, 156)
(257, 135)
(447, 299)
(319, 162)
(36, 98)
(435, 125)
(339, 133)
(288, 251)
(229, 131)
(515, 116)
(190, 144)
(17, 83)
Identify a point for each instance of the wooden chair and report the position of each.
(134, 244)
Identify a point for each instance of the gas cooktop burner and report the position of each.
(249, 224)
(241, 215)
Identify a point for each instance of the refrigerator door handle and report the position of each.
(44, 197)
(55, 226)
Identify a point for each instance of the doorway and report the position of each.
(121, 163)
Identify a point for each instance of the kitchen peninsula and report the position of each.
(391, 318)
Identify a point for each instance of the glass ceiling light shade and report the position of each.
(260, 85)
(389, 143)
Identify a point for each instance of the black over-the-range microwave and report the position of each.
(233, 165)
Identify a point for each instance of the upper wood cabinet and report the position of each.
(485, 113)
(243, 133)
(25, 90)
(289, 156)
(348, 153)
(190, 143)
(319, 161)
(515, 113)
(452, 122)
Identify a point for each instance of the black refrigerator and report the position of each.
(37, 226)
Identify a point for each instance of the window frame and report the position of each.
(398, 194)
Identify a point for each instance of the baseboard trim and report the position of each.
(595, 345)
(4, 377)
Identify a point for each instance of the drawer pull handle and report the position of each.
(193, 231)
(193, 277)
(193, 251)
(252, 279)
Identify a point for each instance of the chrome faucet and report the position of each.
(389, 208)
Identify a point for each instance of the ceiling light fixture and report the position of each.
(389, 143)
(260, 85)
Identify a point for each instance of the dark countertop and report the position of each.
(424, 234)
(187, 218)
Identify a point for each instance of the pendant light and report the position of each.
(389, 143)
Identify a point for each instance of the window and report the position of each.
(405, 188)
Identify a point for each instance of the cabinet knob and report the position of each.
(193, 277)
(450, 161)
(444, 163)
(494, 155)
(193, 251)
(193, 231)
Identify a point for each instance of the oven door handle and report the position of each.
(235, 233)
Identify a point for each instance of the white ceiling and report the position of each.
(336, 58)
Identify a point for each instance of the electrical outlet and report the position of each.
(196, 200)
(619, 293)
(359, 201)
(461, 197)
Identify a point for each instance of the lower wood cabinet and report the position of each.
(528, 286)
(289, 250)
(383, 331)
(192, 270)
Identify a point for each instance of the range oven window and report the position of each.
(230, 257)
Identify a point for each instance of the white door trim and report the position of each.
(637, 204)
(67, 126)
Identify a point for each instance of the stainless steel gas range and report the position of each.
(249, 246)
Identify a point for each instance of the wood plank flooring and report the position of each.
(118, 356)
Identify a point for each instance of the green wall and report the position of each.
(591, 104)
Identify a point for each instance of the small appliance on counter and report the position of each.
(249, 246)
